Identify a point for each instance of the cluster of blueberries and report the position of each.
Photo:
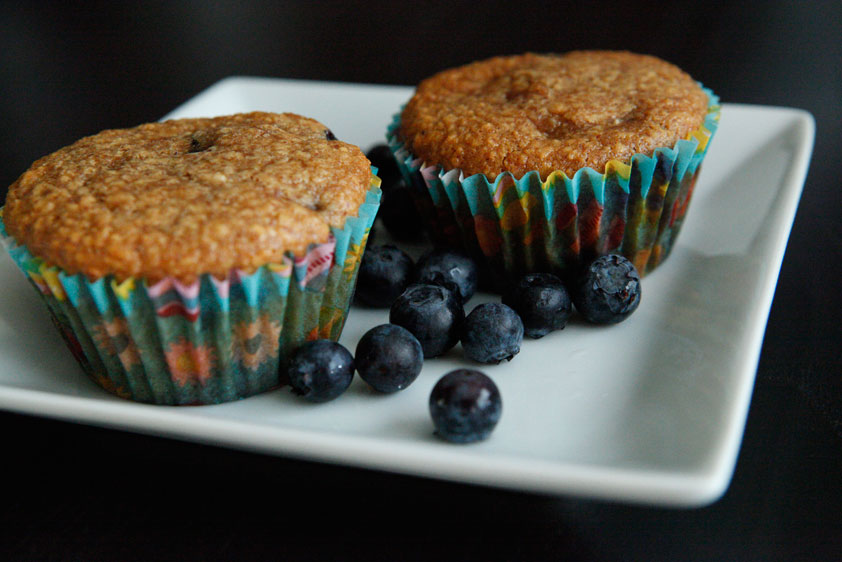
(427, 318)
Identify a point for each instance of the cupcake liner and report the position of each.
(211, 341)
(515, 225)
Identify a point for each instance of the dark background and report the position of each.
(78, 493)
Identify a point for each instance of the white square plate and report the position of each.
(651, 410)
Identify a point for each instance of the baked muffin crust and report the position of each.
(550, 112)
(189, 196)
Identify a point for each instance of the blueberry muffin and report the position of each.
(540, 162)
(183, 260)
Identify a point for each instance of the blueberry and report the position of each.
(397, 210)
(329, 135)
(320, 370)
(542, 302)
(465, 406)
(381, 158)
(399, 215)
(608, 290)
(385, 273)
(492, 332)
(432, 313)
(451, 269)
(389, 358)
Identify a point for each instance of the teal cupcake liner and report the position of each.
(515, 225)
(212, 341)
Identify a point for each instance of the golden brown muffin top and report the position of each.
(188, 196)
(550, 112)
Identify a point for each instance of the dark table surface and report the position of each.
(72, 492)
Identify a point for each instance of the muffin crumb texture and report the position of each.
(188, 196)
(550, 112)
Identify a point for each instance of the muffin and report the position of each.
(544, 162)
(182, 261)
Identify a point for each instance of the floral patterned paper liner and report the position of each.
(210, 341)
(518, 225)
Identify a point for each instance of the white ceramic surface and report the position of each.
(651, 410)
